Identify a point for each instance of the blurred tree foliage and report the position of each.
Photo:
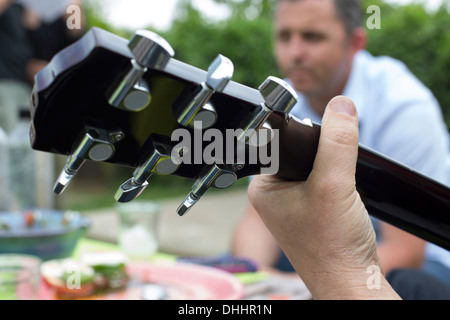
(245, 38)
(421, 40)
(410, 33)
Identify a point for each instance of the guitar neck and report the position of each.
(391, 192)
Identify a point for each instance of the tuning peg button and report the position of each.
(206, 116)
(219, 74)
(278, 96)
(200, 109)
(138, 98)
(96, 145)
(130, 190)
(63, 180)
(160, 162)
(150, 51)
(214, 176)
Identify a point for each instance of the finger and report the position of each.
(338, 144)
(264, 189)
(260, 186)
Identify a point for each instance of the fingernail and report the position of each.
(343, 105)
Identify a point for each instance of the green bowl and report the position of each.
(48, 234)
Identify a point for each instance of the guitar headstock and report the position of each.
(130, 103)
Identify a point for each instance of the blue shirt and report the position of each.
(399, 117)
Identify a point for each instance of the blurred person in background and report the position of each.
(319, 47)
(31, 33)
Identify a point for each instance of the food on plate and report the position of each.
(69, 278)
(93, 273)
(109, 268)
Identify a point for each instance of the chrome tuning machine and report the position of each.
(278, 96)
(214, 176)
(200, 109)
(160, 162)
(95, 144)
(150, 51)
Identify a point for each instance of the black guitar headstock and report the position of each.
(131, 103)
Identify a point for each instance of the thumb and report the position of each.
(338, 145)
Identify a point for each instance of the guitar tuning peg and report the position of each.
(96, 145)
(262, 136)
(160, 162)
(150, 51)
(200, 109)
(214, 176)
(278, 96)
(206, 116)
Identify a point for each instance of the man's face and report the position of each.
(312, 47)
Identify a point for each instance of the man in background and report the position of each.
(319, 46)
(31, 33)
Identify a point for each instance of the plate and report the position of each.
(180, 281)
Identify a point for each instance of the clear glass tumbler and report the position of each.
(19, 277)
(138, 233)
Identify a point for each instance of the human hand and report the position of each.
(321, 224)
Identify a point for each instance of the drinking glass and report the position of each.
(138, 232)
(19, 277)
